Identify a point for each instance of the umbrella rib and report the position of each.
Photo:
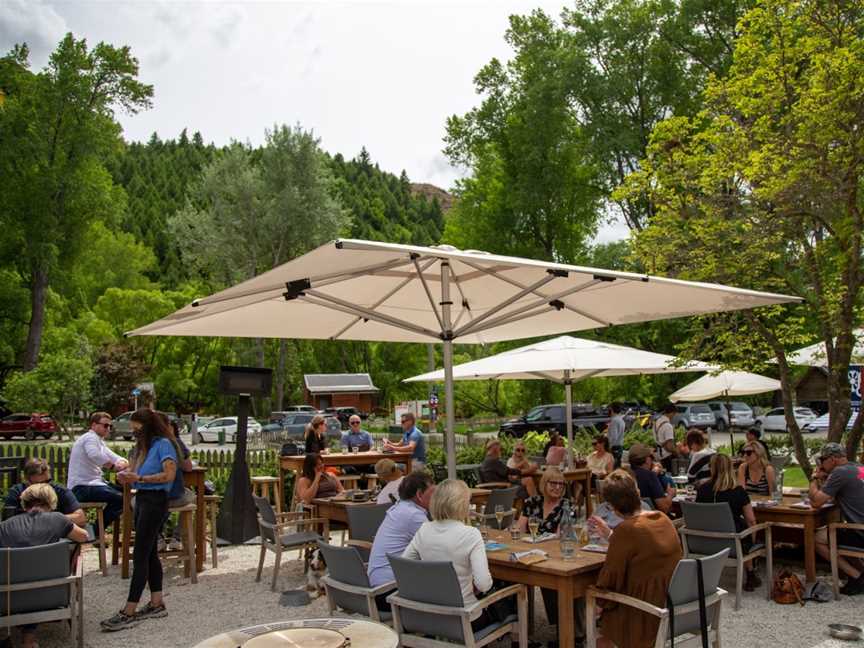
(328, 301)
(514, 315)
(428, 294)
(507, 302)
(399, 287)
(466, 306)
(544, 376)
(518, 284)
(332, 278)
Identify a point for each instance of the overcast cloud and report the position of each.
(380, 75)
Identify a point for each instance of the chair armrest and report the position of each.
(494, 485)
(51, 582)
(629, 601)
(360, 544)
(389, 586)
(494, 597)
(846, 525)
(762, 526)
(444, 610)
(709, 534)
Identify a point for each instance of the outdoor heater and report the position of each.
(237, 521)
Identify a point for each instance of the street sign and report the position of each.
(855, 383)
(136, 392)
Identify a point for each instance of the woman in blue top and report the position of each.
(153, 475)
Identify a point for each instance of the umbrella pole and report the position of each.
(568, 416)
(447, 337)
(731, 435)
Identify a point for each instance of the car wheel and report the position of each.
(721, 425)
(30, 435)
(47, 435)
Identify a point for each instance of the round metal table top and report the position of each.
(316, 633)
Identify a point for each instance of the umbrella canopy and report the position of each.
(364, 290)
(815, 355)
(723, 385)
(565, 360)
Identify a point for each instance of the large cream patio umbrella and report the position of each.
(725, 385)
(364, 290)
(565, 360)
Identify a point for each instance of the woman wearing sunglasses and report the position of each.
(756, 474)
(519, 461)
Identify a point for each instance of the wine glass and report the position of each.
(499, 514)
(533, 527)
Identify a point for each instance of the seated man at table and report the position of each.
(391, 478)
(837, 478)
(399, 526)
(412, 441)
(641, 460)
(87, 459)
(39, 524)
(356, 438)
(36, 471)
(493, 469)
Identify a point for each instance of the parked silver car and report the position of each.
(697, 415)
(209, 433)
(741, 415)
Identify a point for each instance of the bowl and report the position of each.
(845, 632)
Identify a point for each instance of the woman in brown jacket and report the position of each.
(643, 552)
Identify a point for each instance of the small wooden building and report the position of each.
(341, 390)
(812, 390)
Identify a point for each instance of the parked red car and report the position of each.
(28, 426)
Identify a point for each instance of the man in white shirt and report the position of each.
(664, 437)
(88, 458)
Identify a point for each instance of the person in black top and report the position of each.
(723, 487)
(754, 435)
(641, 459)
(316, 440)
(36, 471)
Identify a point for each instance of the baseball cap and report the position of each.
(385, 467)
(832, 450)
(640, 451)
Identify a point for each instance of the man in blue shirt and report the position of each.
(412, 441)
(641, 460)
(356, 437)
(399, 526)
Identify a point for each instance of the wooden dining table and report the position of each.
(193, 479)
(570, 578)
(792, 522)
(294, 463)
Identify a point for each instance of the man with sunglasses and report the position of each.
(837, 478)
(87, 459)
(360, 439)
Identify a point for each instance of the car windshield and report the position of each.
(700, 409)
(535, 414)
(740, 407)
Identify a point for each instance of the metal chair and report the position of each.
(37, 584)
(499, 497)
(363, 523)
(273, 537)
(710, 528)
(838, 550)
(682, 618)
(429, 612)
(347, 583)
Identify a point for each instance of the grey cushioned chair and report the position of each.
(43, 586)
(682, 619)
(363, 523)
(836, 550)
(271, 527)
(709, 528)
(500, 497)
(347, 583)
(428, 610)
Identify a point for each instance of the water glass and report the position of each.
(568, 548)
(515, 533)
(355, 449)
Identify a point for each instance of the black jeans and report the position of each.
(151, 508)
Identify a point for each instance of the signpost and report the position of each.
(136, 393)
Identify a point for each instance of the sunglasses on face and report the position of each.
(748, 452)
(556, 484)
(519, 450)
(355, 422)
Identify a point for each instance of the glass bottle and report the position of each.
(567, 535)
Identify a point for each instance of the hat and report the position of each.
(640, 451)
(832, 450)
(385, 467)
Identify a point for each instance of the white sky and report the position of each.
(385, 75)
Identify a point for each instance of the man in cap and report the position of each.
(390, 476)
(641, 460)
(837, 478)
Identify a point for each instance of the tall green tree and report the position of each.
(57, 128)
(763, 188)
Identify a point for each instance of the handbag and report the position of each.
(787, 588)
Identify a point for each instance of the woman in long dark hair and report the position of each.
(152, 474)
(314, 481)
(316, 440)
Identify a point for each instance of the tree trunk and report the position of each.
(280, 373)
(853, 441)
(38, 293)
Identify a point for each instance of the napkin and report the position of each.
(543, 537)
(529, 557)
(596, 548)
(495, 546)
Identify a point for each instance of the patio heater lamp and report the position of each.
(237, 521)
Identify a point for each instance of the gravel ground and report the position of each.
(229, 597)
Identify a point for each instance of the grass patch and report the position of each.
(793, 476)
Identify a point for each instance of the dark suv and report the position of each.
(544, 418)
(343, 414)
